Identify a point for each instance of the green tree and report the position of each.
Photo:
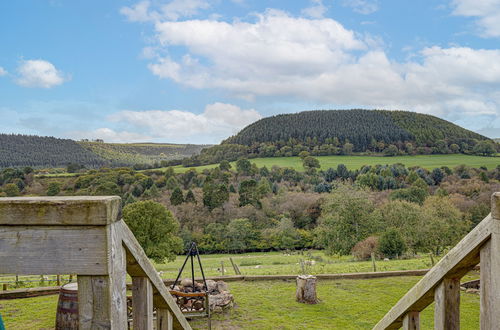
(214, 195)
(391, 150)
(346, 219)
(485, 148)
(190, 197)
(225, 165)
(11, 190)
(155, 228)
(310, 164)
(243, 166)
(177, 197)
(249, 193)
(53, 189)
(391, 243)
(240, 235)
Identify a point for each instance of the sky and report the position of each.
(194, 71)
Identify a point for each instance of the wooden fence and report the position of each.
(442, 283)
(86, 236)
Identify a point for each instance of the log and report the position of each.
(306, 289)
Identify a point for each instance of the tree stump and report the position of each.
(306, 289)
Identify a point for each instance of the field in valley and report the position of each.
(345, 304)
(356, 162)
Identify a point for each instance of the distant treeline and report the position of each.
(28, 150)
(342, 132)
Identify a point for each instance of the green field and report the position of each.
(356, 162)
(276, 263)
(345, 304)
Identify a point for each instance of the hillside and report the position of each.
(29, 150)
(335, 132)
(36, 151)
(141, 153)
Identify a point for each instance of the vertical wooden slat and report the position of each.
(447, 305)
(142, 303)
(161, 318)
(411, 321)
(94, 301)
(490, 283)
(170, 321)
(118, 274)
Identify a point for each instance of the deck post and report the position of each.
(447, 305)
(411, 321)
(164, 319)
(142, 303)
(490, 270)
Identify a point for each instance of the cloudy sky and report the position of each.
(194, 71)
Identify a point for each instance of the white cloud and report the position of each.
(109, 135)
(218, 121)
(39, 73)
(487, 13)
(364, 7)
(144, 11)
(317, 10)
(3, 72)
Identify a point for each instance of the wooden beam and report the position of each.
(495, 205)
(462, 258)
(94, 301)
(447, 305)
(135, 251)
(118, 275)
(53, 250)
(142, 303)
(411, 321)
(163, 319)
(63, 211)
(490, 281)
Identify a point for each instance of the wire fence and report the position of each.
(12, 281)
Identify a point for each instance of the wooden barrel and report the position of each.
(67, 307)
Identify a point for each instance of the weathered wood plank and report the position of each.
(134, 251)
(66, 211)
(463, 257)
(162, 317)
(447, 305)
(118, 275)
(490, 281)
(94, 302)
(495, 205)
(411, 321)
(142, 303)
(53, 250)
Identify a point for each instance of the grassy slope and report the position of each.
(355, 162)
(141, 153)
(345, 304)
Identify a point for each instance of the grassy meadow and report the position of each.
(345, 304)
(279, 263)
(356, 162)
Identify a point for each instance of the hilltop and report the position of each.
(18, 150)
(335, 132)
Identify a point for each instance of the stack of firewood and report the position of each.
(219, 296)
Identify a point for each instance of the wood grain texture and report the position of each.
(63, 211)
(118, 275)
(94, 302)
(495, 205)
(463, 257)
(142, 265)
(163, 319)
(411, 321)
(447, 305)
(53, 250)
(490, 282)
(142, 303)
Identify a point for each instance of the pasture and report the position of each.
(356, 162)
(345, 304)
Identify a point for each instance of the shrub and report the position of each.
(53, 189)
(364, 249)
(391, 243)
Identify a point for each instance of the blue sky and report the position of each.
(193, 71)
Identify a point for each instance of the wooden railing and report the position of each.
(86, 236)
(442, 283)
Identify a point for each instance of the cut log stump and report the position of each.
(306, 289)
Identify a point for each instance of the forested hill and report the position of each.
(359, 127)
(336, 132)
(37, 151)
(29, 150)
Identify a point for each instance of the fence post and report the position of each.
(373, 262)
(490, 270)
(447, 304)
(411, 321)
